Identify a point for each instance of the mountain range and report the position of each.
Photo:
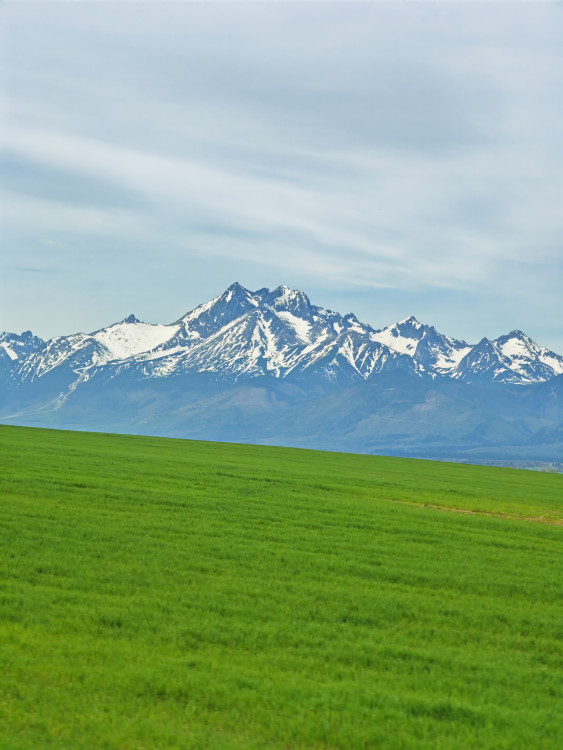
(269, 366)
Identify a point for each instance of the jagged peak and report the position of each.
(288, 319)
(23, 335)
(515, 334)
(285, 291)
(283, 297)
(239, 293)
(485, 342)
(26, 338)
(263, 292)
(236, 287)
(411, 321)
(131, 319)
(234, 298)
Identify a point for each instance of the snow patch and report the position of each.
(347, 351)
(301, 327)
(357, 328)
(129, 339)
(516, 348)
(556, 363)
(198, 311)
(523, 352)
(401, 344)
(452, 359)
(9, 351)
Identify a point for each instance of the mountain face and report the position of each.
(256, 358)
(513, 358)
(14, 347)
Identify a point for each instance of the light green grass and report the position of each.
(174, 594)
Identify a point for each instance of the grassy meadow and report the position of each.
(174, 594)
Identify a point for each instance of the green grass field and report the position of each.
(172, 594)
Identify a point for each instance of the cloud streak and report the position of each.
(414, 149)
(443, 202)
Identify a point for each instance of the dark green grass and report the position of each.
(168, 594)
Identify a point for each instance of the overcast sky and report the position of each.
(387, 158)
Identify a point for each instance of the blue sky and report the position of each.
(388, 159)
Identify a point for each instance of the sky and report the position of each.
(388, 159)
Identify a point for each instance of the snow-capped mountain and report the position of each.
(513, 358)
(278, 333)
(434, 351)
(270, 366)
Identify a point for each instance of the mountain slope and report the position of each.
(269, 366)
(15, 348)
(242, 333)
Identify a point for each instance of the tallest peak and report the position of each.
(235, 291)
(411, 320)
(235, 287)
(290, 300)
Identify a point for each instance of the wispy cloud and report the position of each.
(407, 148)
(31, 269)
(388, 220)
